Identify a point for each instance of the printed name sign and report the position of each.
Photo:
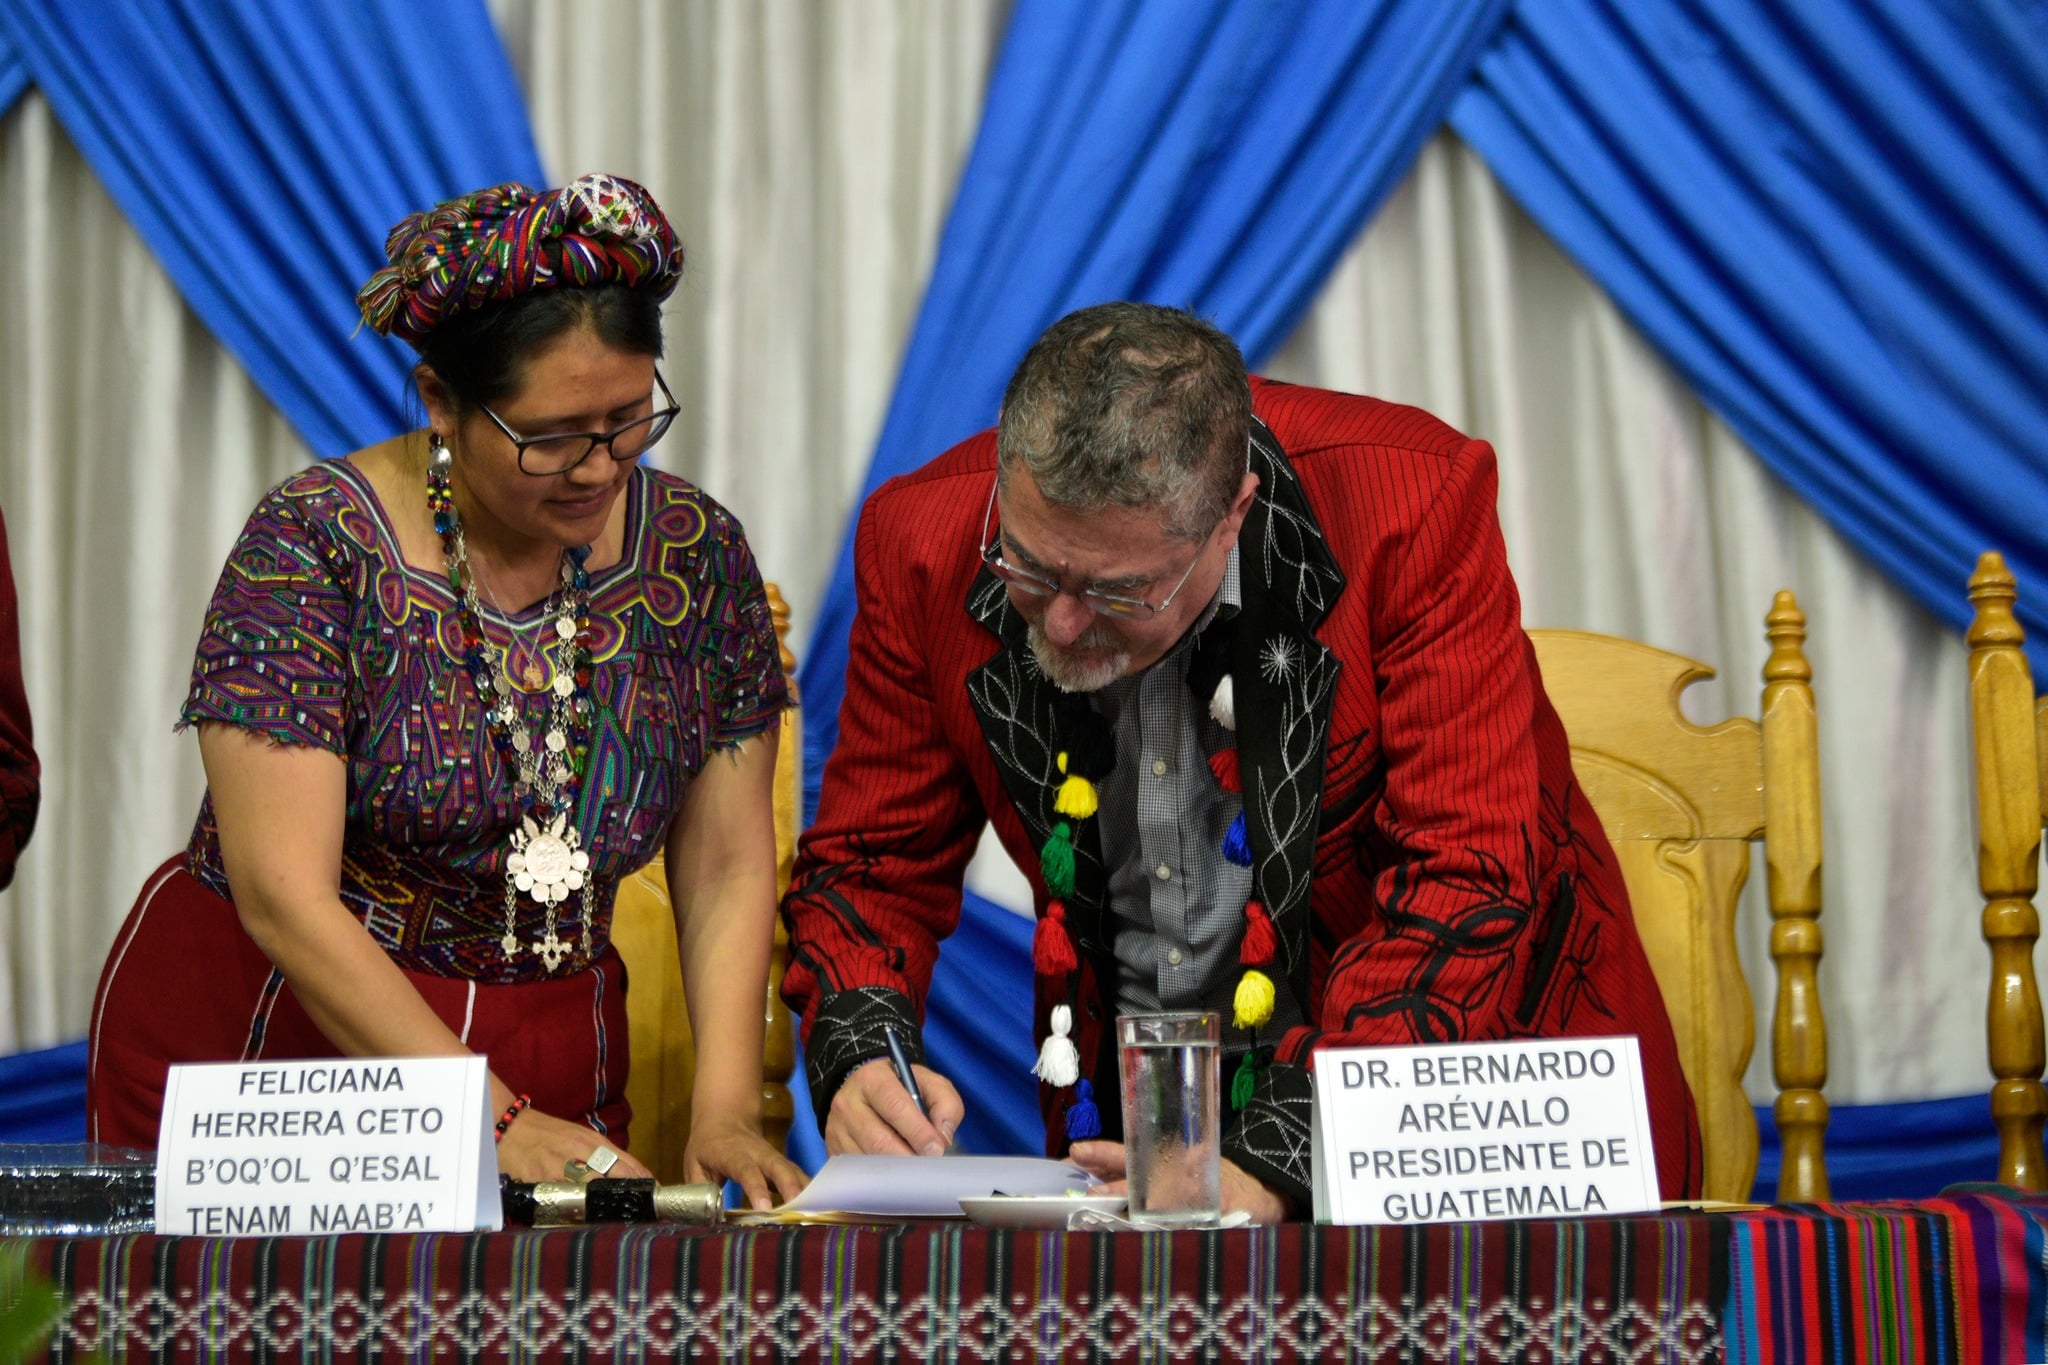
(352, 1145)
(1464, 1132)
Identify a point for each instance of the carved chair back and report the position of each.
(1682, 805)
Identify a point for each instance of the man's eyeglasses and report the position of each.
(1037, 585)
(545, 455)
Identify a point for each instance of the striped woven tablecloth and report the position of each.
(1956, 1279)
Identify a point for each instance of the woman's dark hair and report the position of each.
(480, 354)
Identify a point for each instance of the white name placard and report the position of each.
(1463, 1132)
(352, 1145)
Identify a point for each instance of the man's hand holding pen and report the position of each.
(879, 1111)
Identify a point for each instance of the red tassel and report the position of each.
(1223, 763)
(1259, 939)
(1052, 952)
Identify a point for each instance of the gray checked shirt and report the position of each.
(1178, 903)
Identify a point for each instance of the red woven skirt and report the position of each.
(184, 983)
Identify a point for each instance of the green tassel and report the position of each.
(1241, 1082)
(1056, 861)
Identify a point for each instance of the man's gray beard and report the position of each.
(1067, 674)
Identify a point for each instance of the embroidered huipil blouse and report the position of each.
(319, 633)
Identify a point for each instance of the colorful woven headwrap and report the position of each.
(509, 240)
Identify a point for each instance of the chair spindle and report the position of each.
(1792, 864)
(2009, 809)
(778, 1053)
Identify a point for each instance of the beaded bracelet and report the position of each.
(512, 1111)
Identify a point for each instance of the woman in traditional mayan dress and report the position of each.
(450, 690)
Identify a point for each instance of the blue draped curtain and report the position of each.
(263, 150)
(1833, 219)
(13, 75)
(44, 1095)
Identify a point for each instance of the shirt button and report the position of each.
(1173, 956)
(1163, 872)
(1158, 767)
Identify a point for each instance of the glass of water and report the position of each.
(1169, 1064)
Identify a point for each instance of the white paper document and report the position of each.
(928, 1186)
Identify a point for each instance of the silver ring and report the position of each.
(601, 1160)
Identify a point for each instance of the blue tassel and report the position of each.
(1237, 847)
(1082, 1120)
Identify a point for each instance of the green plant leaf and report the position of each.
(27, 1317)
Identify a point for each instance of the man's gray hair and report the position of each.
(1131, 405)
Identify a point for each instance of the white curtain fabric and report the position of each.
(808, 153)
(131, 449)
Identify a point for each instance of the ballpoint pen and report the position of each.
(901, 1060)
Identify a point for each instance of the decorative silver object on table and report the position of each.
(75, 1189)
(575, 1203)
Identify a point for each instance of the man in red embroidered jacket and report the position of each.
(20, 773)
(1371, 836)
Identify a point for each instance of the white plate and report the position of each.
(1035, 1210)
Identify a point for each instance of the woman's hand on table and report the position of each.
(539, 1146)
(1241, 1190)
(737, 1151)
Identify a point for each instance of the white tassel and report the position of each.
(1223, 706)
(1059, 1065)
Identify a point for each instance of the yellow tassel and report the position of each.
(1076, 798)
(1254, 1000)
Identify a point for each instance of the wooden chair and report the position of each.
(2010, 727)
(644, 930)
(1681, 805)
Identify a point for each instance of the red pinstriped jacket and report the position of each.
(20, 773)
(1430, 864)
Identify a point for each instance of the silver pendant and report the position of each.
(551, 950)
(547, 864)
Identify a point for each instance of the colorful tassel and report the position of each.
(1237, 845)
(1223, 705)
(1052, 951)
(1241, 1081)
(1260, 940)
(1223, 763)
(1059, 1064)
(1076, 797)
(1084, 1121)
(1056, 861)
(1254, 1003)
